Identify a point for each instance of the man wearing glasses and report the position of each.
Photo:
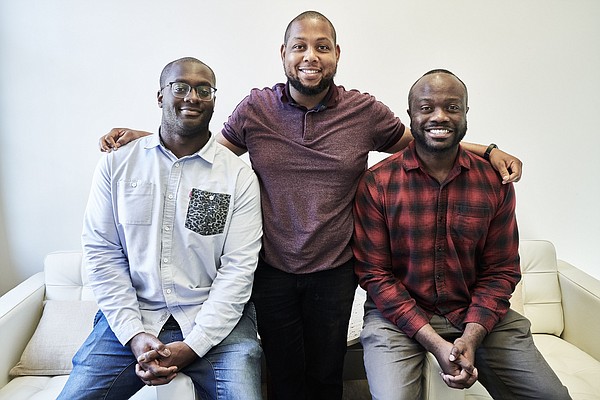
(171, 238)
(308, 140)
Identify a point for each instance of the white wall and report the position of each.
(72, 69)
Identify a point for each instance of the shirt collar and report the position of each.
(411, 160)
(153, 140)
(330, 100)
(207, 152)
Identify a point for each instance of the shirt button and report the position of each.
(168, 291)
(167, 228)
(176, 165)
(133, 184)
(165, 260)
(170, 196)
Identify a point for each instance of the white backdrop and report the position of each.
(72, 69)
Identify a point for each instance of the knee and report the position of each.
(253, 350)
(557, 393)
(248, 352)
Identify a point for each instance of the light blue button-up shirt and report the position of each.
(165, 236)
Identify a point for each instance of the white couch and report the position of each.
(562, 302)
(67, 303)
(563, 305)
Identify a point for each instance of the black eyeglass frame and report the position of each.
(200, 88)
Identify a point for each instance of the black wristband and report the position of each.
(489, 149)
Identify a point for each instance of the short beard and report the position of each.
(310, 90)
(175, 126)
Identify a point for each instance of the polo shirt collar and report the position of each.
(330, 100)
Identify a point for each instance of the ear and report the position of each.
(282, 52)
(159, 97)
(337, 52)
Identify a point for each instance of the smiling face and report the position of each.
(310, 56)
(190, 115)
(438, 112)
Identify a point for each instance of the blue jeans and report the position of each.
(509, 364)
(303, 325)
(105, 369)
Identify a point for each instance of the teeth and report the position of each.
(310, 71)
(439, 131)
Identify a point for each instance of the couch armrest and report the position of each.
(20, 312)
(581, 304)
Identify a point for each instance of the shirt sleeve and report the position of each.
(105, 259)
(231, 289)
(499, 267)
(387, 127)
(371, 246)
(233, 129)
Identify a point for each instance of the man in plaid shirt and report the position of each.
(436, 244)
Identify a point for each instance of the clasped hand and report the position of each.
(158, 364)
(458, 369)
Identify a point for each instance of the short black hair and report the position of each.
(167, 69)
(309, 15)
(438, 71)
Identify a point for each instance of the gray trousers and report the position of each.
(509, 364)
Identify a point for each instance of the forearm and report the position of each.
(441, 349)
(473, 335)
(110, 280)
(431, 340)
(219, 315)
(475, 148)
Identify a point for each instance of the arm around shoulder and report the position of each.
(118, 137)
(508, 166)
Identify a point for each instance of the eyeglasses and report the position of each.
(182, 89)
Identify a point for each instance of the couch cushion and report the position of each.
(577, 370)
(61, 331)
(541, 289)
(48, 388)
(66, 279)
(33, 387)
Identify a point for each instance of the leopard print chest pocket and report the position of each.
(207, 212)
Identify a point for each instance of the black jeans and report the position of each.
(303, 324)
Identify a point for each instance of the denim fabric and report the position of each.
(509, 364)
(105, 369)
(303, 325)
